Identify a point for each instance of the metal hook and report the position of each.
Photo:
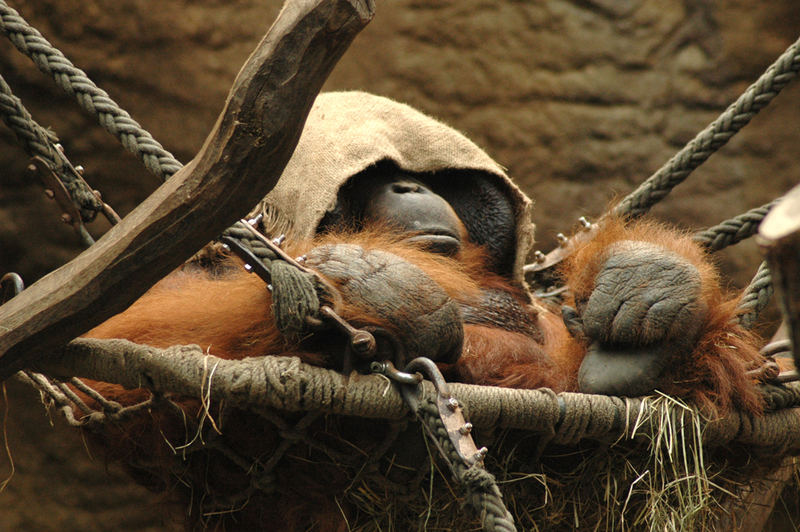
(450, 411)
(387, 369)
(11, 284)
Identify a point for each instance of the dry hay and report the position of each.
(389, 477)
(661, 482)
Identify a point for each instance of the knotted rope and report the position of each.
(295, 293)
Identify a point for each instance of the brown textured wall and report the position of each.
(580, 100)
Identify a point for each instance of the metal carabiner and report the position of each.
(387, 369)
(11, 284)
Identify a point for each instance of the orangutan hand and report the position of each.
(646, 310)
(423, 317)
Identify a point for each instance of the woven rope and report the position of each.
(482, 492)
(40, 142)
(756, 296)
(734, 230)
(713, 137)
(94, 100)
(97, 103)
(758, 293)
(288, 384)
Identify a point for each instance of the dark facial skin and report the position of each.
(408, 204)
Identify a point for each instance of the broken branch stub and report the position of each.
(240, 161)
(779, 237)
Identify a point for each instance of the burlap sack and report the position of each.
(347, 132)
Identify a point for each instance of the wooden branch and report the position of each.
(779, 238)
(238, 164)
(752, 508)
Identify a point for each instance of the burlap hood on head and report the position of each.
(348, 132)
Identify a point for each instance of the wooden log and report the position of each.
(751, 509)
(240, 161)
(779, 238)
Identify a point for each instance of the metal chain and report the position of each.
(713, 137)
(94, 100)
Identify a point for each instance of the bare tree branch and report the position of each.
(239, 163)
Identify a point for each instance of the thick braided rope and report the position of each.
(289, 315)
(38, 141)
(295, 294)
(91, 98)
(735, 117)
(734, 230)
(96, 101)
(481, 488)
(759, 292)
(286, 383)
(756, 296)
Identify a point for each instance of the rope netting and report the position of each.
(287, 384)
(293, 400)
(318, 415)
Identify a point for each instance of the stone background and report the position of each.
(580, 99)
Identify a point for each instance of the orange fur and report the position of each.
(230, 317)
(714, 374)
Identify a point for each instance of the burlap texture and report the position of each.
(346, 133)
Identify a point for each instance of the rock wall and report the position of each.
(580, 99)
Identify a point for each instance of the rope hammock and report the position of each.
(293, 397)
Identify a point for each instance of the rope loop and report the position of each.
(295, 292)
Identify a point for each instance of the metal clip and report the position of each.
(11, 284)
(450, 411)
(387, 369)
